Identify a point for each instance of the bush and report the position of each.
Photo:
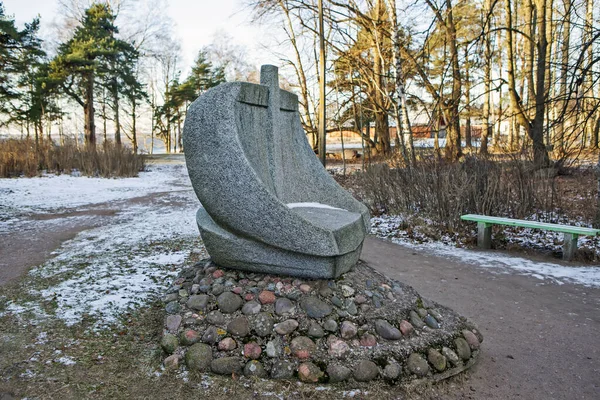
(23, 157)
(442, 191)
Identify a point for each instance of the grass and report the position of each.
(26, 158)
(123, 361)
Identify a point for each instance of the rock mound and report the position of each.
(361, 326)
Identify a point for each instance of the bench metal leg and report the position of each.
(569, 246)
(484, 235)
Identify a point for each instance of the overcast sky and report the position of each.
(196, 23)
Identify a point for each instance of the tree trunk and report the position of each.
(134, 142)
(540, 153)
(487, 77)
(453, 146)
(563, 103)
(39, 129)
(589, 79)
(596, 133)
(175, 141)
(168, 133)
(152, 120)
(436, 134)
(88, 111)
(496, 134)
(368, 132)
(358, 123)
(382, 130)
(529, 28)
(467, 100)
(535, 129)
(402, 120)
(61, 136)
(382, 127)
(597, 219)
(104, 119)
(116, 111)
(322, 146)
(305, 99)
(550, 29)
(179, 137)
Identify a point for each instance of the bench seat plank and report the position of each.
(577, 230)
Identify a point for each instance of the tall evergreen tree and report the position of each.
(178, 96)
(35, 100)
(23, 97)
(9, 45)
(79, 60)
(117, 72)
(202, 77)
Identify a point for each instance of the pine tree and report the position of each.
(178, 96)
(10, 44)
(202, 77)
(23, 67)
(79, 60)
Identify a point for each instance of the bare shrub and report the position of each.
(23, 157)
(442, 191)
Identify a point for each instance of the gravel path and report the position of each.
(542, 340)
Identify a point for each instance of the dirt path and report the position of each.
(34, 243)
(41, 234)
(542, 341)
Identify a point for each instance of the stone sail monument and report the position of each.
(268, 204)
(284, 294)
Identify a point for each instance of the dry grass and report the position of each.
(432, 196)
(124, 362)
(24, 158)
(442, 192)
(121, 364)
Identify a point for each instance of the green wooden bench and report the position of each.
(571, 233)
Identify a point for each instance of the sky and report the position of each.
(196, 24)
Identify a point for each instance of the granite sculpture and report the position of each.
(268, 205)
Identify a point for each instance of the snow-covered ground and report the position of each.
(390, 227)
(130, 260)
(55, 192)
(105, 271)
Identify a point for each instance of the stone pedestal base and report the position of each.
(361, 326)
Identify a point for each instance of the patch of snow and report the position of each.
(28, 225)
(28, 307)
(42, 338)
(184, 375)
(270, 394)
(389, 227)
(115, 280)
(66, 360)
(53, 192)
(351, 393)
(559, 274)
(106, 271)
(174, 258)
(206, 381)
(312, 205)
(28, 374)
